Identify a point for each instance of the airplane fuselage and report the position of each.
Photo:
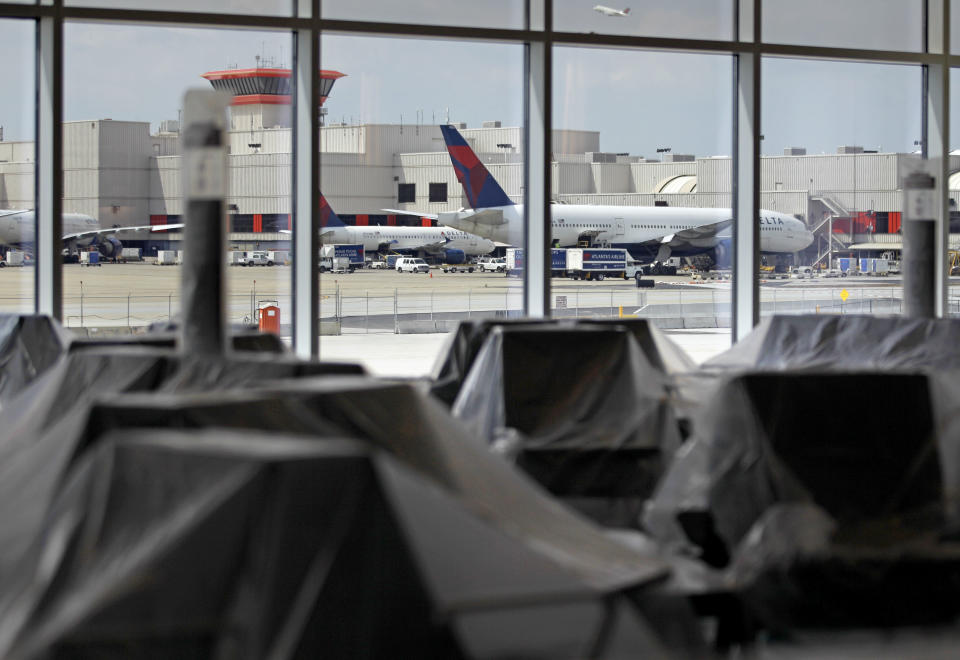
(408, 238)
(19, 227)
(637, 228)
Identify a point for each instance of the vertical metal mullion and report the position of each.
(48, 161)
(746, 180)
(936, 139)
(306, 177)
(538, 81)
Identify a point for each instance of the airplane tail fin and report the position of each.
(482, 189)
(626, 11)
(328, 218)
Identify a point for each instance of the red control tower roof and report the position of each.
(264, 85)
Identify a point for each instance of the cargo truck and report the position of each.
(582, 263)
(341, 258)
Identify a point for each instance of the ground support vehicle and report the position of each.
(458, 268)
(341, 257)
(412, 265)
(257, 258)
(594, 264)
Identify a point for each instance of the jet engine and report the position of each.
(454, 256)
(110, 247)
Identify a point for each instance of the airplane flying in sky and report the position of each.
(453, 244)
(649, 233)
(18, 229)
(610, 11)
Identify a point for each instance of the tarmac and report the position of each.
(395, 323)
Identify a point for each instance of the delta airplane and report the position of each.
(453, 244)
(18, 227)
(649, 233)
(609, 11)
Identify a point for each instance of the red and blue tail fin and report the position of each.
(482, 189)
(328, 218)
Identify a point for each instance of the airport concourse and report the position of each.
(493, 330)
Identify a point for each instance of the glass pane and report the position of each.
(16, 169)
(689, 19)
(836, 166)
(122, 161)
(873, 24)
(265, 7)
(507, 14)
(651, 153)
(392, 139)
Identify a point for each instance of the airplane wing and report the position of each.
(490, 217)
(704, 236)
(92, 233)
(432, 216)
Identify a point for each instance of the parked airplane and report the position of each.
(649, 233)
(453, 244)
(609, 11)
(18, 229)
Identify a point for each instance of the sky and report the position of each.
(638, 101)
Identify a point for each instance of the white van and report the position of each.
(411, 265)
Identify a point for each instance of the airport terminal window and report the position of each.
(114, 176)
(262, 7)
(464, 13)
(838, 172)
(406, 193)
(17, 221)
(876, 24)
(619, 136)
(890, 25)
(438, 192)
(690, 19)
(443, 160)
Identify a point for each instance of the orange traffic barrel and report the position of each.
(269, 320)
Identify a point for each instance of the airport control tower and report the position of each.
(262, 95)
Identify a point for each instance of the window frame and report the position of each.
(746, 47)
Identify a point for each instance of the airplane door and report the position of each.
(618, 227)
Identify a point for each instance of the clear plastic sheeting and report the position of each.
(413, 427)
(41, 429)
(456, 360)
(846, 342)
(580, 408)
(255, 544)
(29, 345)
(243, 339)
(824, 510)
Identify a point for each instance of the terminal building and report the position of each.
(124, 174)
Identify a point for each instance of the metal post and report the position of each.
(169, 307)
(367, 324)
(396, 320)
(469, 301)
(128, 309)
(81, 308)
(203, 328)
(306, 175)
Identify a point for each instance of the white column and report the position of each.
(538, 65)
(48, 283)
(746, 180)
